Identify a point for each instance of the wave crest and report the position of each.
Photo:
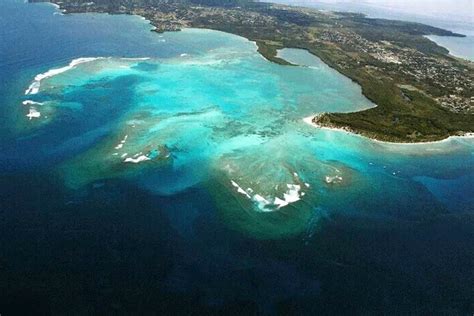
(36, 84)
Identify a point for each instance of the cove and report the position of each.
(175, 228)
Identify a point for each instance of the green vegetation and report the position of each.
(421, 92)
(270, 51)
(397, 119)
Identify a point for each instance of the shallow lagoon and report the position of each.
(228, 119)
(202, 217)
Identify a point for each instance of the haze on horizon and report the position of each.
(464, 8)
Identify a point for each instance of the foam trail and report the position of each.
(291, 196)
(120, 145)
(240, 190)
(30, 102)
(137, 160)
(35, 85)
(33, 114)
(268, 204)
(333, 180)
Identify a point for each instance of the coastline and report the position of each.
(452, 52)
(189, 184)
(269, 51)
(310, 120)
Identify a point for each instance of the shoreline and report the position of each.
(310, 121)
(451, 52)
(269, 51)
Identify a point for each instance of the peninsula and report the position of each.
(422, 93)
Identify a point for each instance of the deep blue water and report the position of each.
(84, 232)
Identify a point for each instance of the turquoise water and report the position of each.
(229, 118)
(173, 168)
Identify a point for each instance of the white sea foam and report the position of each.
(262, 203)
(30, 102)
(310, 120)
(33, 88)
(33, 113)
(269, 204)
(280, 203)
(35, 85)
(333, 179)
(290, 196)
(122, 142)
(139, 159)
(240, 190)
(389, 145)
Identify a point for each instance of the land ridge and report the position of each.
(422, 93)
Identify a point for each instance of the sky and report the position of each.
(463, 8)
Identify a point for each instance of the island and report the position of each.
(421, 92)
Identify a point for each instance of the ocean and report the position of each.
(145, 173)
(458, 46)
